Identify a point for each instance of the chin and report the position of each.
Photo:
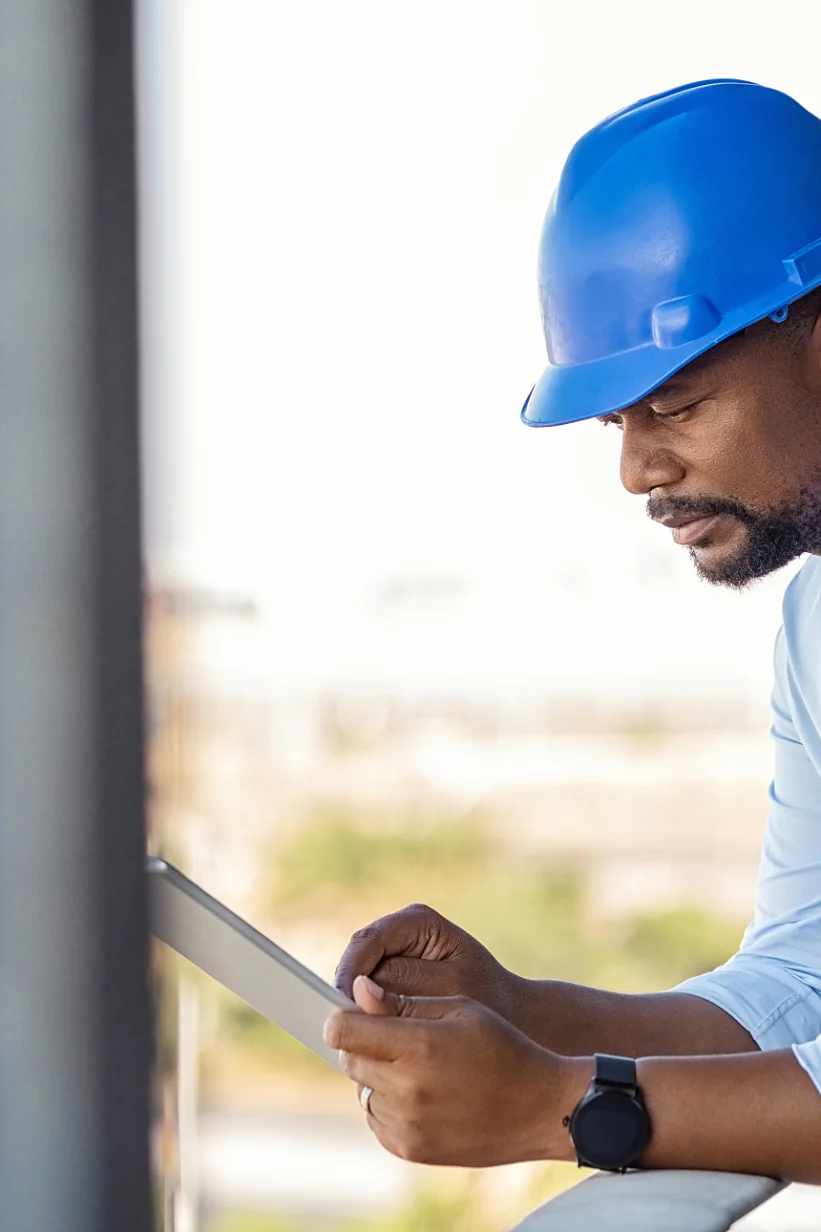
(747, 553)
(736, 570)
(723, 576)
(728, 564)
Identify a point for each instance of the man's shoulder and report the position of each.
(805, 587)
(802, 610)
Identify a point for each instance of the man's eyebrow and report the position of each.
(674, 391)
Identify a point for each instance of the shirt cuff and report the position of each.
(809, 1058)
(770, 1001)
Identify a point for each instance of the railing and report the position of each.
(663, 1201)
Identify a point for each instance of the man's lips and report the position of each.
(687, 529)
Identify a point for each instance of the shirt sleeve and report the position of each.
(809, 1058)
(772, 986)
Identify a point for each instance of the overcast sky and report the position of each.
(342, 203)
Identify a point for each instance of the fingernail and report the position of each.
(374, 989)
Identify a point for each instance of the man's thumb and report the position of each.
(375, 1000)
(371, 998)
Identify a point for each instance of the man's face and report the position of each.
(729, 452)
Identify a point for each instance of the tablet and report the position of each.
(226, 947)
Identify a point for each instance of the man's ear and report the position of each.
(811, 359)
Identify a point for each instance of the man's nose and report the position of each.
(645, 464)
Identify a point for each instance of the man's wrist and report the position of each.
(528, 1008)
(514, 999)
(566, 1081)
(579, 1073)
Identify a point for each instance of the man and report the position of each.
(680, 269)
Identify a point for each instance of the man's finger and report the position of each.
(366, 1035)
(426, 975)
(364, 951)
(426, 1007)
(375, 1001)
(367, 1072)
(403, 932)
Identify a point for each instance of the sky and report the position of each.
(341, 208)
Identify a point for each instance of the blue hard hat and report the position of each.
(676, 222)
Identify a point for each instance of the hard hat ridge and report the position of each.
(596, 145)
(677, 221)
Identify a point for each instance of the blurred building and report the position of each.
(659, 798)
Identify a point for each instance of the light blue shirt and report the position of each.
(772, 986)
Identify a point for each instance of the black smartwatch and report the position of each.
(610, 1126)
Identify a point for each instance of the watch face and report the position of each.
(610, 1130)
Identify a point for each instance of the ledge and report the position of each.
(653, 1201)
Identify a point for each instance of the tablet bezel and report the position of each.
(242, 959)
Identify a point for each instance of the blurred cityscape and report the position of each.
(608, 843)
(401, 648)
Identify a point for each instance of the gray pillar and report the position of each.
(74, 1006)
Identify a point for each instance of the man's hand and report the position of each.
(452, 1081)
(418, 951)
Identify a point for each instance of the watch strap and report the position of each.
(616, 1071)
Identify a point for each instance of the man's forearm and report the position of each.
(577, 1021)
(758, 1112)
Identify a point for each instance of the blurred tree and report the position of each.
(681, 941)
(532, 916)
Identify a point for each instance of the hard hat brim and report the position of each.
(569, 393)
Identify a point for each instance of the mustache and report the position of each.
(698, 507)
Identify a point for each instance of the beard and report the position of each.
(772, 540)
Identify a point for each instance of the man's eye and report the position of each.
(674, 415)
(615, 420)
